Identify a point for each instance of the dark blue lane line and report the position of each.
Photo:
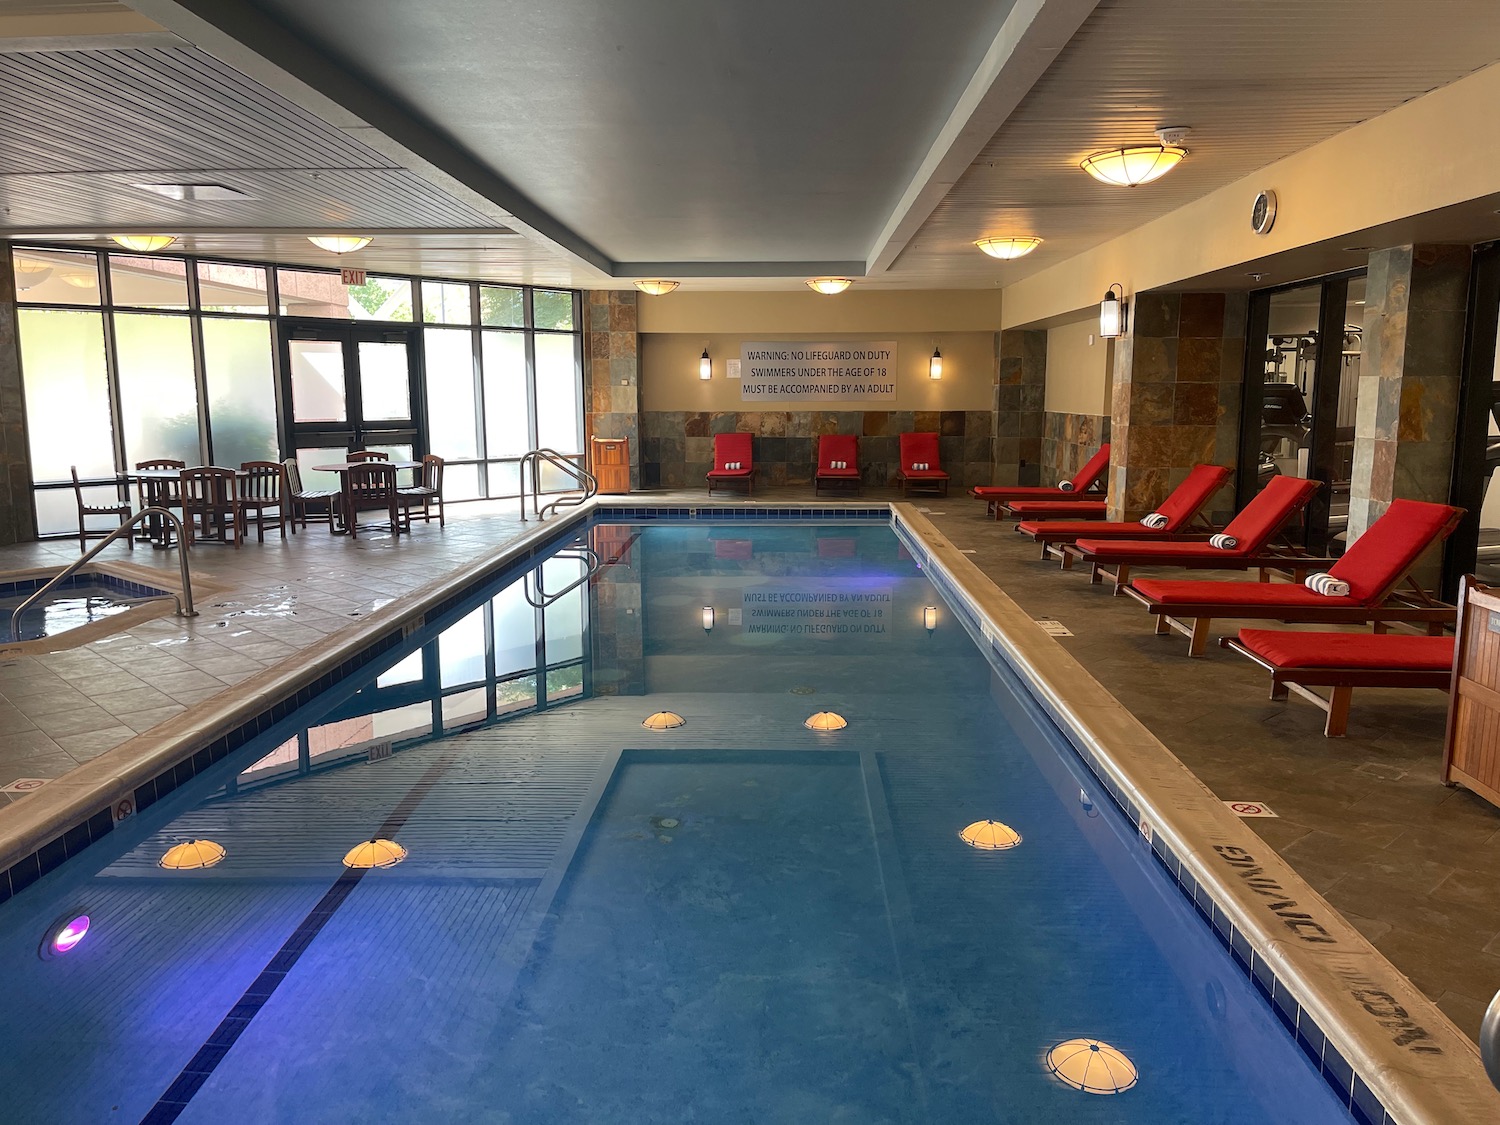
(208, 1057)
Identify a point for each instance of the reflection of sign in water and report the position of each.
(804, 612)
(798, 370)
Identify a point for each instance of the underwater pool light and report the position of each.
(65, 934)
(826, 721)
(192, 855)
(1092, 1066)
(990, 836)
(663, 720)
(375, 853)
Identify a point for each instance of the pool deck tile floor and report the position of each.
(1413, 864)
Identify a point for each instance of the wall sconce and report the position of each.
(1112, 313)
(935, 364)
(708, 618)
(929, 618)
(705, 365)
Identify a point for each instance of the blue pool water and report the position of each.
(736, 920)
(67, 607)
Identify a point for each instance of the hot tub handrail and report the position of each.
(586, 555)
(1489, 1040)
(533, 459)
(184, 600)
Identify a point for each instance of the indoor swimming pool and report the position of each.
(744, 828)
(82, 599)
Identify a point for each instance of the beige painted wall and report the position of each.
(669, 371)
(1430, 153)
(873, 313)
(1079, 368)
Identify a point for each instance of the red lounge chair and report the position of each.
(843, 448)
(921, 449)
(1343, 662)
(1267, 512)
(1087, 483)
(733, 449)
(1373, 567)
(1090, 508)
(1180, 508)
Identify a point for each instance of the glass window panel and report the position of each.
(57, 277)
(516, 695)
(317, 381)
(312, 479)
(552, 308)
(461, 651)
(67, 395)
(276, 762)
(451, 415)
(515, 631)
(409, 671)
(507, 429)
(446, 302)
(57, 508)
(461, 482)
(228, 288)
(148, 283)
(404, 477)
(340, 739)
(384, 380)
(552, 479)
(501, 308)
(241, 393)
(411, 721)
(465, 707)
(558, 396)
(321, 294)
(564, 617)
(381, 298)
(158, 395)
(505, 478)
(564, 683)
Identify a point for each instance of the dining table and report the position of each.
(342, 469)
(153, 479)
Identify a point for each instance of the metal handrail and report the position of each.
(1489, 1041)
(534, 458)
(582, 554)
(184, 600)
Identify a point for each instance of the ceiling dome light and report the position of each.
(826, 721)
(1092, 1066)
(829, 285)
(78, 279)
(663, 720)
(1008, 248)
(657, 287)
(340, 243)
(145, 243)
(375, 853)
(30, 273)
(1127, 167)
(990, 836)
(192, 855)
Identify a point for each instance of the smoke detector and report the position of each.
(1173, 135)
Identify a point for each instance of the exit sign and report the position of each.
(352, 277)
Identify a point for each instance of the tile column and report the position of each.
(612, 385)
(1407, 413)
(1020, 405)
(16, 523)
(1176, 397)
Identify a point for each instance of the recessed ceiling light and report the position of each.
(188, 192)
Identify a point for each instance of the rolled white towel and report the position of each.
(1223, 542)
(1326, 584)
(1065, 486)
(1155, 521)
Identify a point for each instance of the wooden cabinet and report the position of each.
(610, 458)
(1471, 756)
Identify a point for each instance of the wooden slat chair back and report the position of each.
(208, 505)
(85, 533)
(261, 488)
(372, 486)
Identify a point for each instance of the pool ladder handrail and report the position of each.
(184, 600)
(581, 554)
(534, 459)
(1489, 1040)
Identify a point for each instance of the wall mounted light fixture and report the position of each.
(929, 618)
(708, 618)
(705, 365)
(935, 364)
(1113, 313)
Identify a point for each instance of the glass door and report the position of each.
(349, 388)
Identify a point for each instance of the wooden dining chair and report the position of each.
(208, 497)
(369, 455)
(426, 493)
(85, 533)
(321, 504)
(261, 487)
(161, 492)
(371, 486)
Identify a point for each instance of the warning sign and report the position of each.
(1250, 808)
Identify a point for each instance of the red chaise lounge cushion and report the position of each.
(1394, 651)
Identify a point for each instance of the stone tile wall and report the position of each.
(1068, 440)
(677, 446)
(1177, 391)
(611, 372)
(1020, 403)
(15, 458)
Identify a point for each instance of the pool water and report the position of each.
(67, 607)
(735, 920)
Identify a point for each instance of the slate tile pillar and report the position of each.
(612, 369)
(16, 523)
(1176, 397)
(1020, 405)
(1406, 416)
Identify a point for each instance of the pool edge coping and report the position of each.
(1333, 972)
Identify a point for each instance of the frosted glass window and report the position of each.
(312, 479)
(318, 381)
(461, 482)
(148, 283)
(506, 426)
(228, 288)
(552, 308)
(452, 423)
(515, 631)
(465, 707)
(558, 394)
(241, 394)
(384, 381)
(504, 478)
(461, 651)
(158, 395)
(501, 308)
(408, 671)
(56, 277)
(57, 508)
(67, 395)
(564, 617)
(446, 303)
